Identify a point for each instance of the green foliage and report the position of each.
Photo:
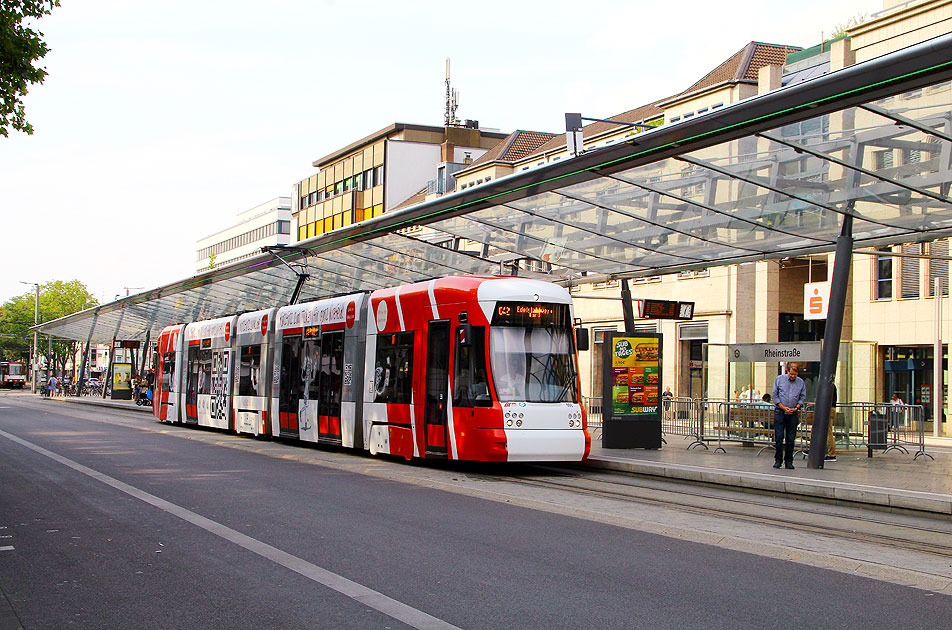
(57, 299)
(20, 47)
(841, 29)
(211, 261)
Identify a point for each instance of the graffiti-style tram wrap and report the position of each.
(470, 368)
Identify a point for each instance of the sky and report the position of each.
(160, 121)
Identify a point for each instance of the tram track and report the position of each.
(921, 534)
(849, 523)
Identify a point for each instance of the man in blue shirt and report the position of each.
(789, 393)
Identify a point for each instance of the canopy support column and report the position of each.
(831, 343)
(627, 310)
(145, 351)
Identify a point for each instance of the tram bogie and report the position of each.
(471, 368)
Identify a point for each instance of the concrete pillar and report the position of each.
(841, 55)
(768, 78)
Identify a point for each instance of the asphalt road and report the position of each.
(104, 525)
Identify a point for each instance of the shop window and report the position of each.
(939, 269)
(911, 156)
(909, 271)
(883, 159)
(884, 276)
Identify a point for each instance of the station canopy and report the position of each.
(769, 177)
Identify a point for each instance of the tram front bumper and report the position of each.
(546, 445)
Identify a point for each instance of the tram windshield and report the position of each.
(531, 354)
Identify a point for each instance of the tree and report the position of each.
(57, 299)
(20, 48)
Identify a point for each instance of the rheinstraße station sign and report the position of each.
(774, 352)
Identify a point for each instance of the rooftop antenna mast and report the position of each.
(452, 101)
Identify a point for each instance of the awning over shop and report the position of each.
(771, 176)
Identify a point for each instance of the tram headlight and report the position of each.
(518, 423)
(571, 423)
(508, 423)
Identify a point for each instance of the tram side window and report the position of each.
(168, 371)
(332, 358)
(393, 368)
(310, 369)
(249, 383)
(470, 379)
(205, 371)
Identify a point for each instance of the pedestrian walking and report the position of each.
(896, 411)
(51, 386)
(789, 394)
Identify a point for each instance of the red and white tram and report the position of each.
(471, 368)
(12, 374)
(166, 399)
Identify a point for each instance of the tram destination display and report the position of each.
(631, 377)
(530, 314)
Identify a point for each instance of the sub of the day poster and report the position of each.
(635, 375)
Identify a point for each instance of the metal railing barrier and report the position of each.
(886, 427)
(875, 426)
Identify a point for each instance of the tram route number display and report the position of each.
(635, 375)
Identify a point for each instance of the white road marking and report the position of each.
(7, 548)
(362, 594)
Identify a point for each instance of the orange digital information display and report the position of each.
(530, 314)
(667, 309)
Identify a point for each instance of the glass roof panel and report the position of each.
(765, 177)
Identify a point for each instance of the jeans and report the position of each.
(785, 434)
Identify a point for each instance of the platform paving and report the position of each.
(892, 480)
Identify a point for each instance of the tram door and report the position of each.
(437, 386)
(191, 385)
(289, 395)
(331, 386)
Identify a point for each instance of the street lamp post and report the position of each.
(36, 320)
